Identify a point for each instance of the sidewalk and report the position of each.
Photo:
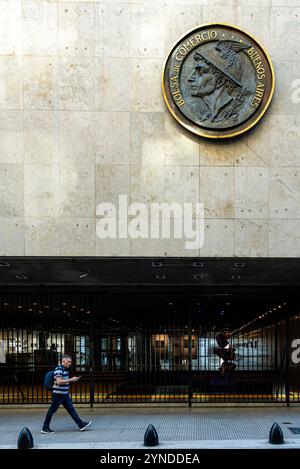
(178, 427)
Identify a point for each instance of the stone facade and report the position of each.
(83, 120)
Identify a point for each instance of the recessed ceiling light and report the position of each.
(239, 264)
(236, 277)
(198, 264)
(21, 277)
(198, 277)
(161, 277)
(157, 264)
(4, 264)
(85, 274)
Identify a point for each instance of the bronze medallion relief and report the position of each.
(218, 81)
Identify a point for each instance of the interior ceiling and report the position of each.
(144, 308)
(132, 271)
(217, 291)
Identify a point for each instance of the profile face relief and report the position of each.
(203, 81)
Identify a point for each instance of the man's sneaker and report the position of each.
(47, 430)
(85, 425)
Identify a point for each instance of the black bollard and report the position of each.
(25, 439)
(151, 436)
(276, 435)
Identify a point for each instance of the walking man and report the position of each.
(60, 395)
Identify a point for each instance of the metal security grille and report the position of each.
(149, 347)
(35, 331)
(144, 353)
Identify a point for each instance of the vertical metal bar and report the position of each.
(91, 346)
(287, 360)
(190, 377)
(276, 346)
(276, 367)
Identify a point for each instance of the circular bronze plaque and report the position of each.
(218, 81)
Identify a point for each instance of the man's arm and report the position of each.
(60, 381)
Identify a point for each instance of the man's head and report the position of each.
(66, 361)
(207, 76)
(203, 80)
(226, 332)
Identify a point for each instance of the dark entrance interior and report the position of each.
(150, 337)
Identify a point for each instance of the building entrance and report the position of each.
(153, 345)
